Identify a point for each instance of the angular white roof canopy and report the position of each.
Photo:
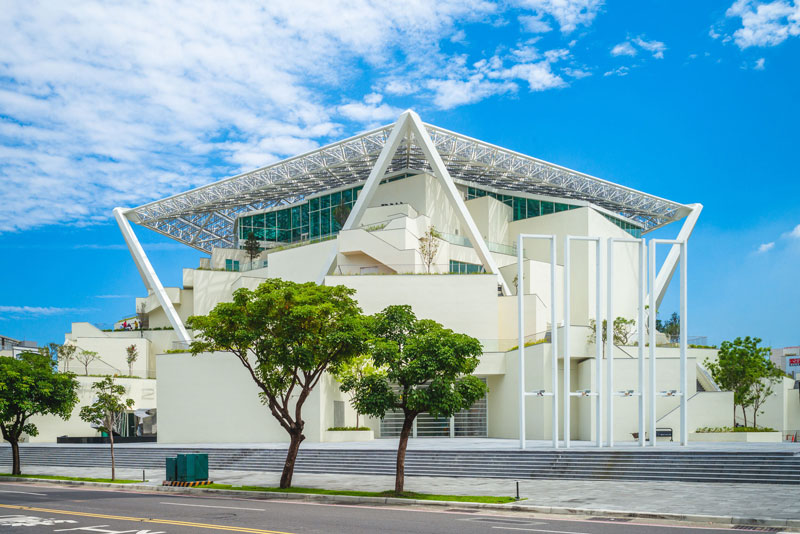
(203, 218)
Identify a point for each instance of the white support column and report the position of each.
(567, 322)
(568, 393)
(652, 323)
(668, 269)
(598, 348)
(684, 340)
(640, 327)
(521, 339)
(149, 276)
(523, 394)
(610, 345)
(554, 339)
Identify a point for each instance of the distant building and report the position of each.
(787, 359)
(11, 347)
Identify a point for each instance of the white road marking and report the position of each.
(24, 492)
(210, 506)
(541, 530)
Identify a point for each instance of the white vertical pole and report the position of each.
(554, 338)
(610, 346)
(652, 389)
(521, 345)
(642, 291)
(684, 340)
(598, 345)
(566, 358)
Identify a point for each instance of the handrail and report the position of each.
(676, 407)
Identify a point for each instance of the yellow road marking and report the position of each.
(146, 520)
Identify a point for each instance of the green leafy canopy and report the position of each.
(421, 367)
(30, 385)
(108, 405)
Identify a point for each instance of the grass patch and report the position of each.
(75, 479)
(404, 495)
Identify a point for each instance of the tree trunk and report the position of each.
(111, 439)
(755, 415)
(15, 470)
(400, 473)
(744, 412)
(291, 456)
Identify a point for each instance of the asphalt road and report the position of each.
(47, 508)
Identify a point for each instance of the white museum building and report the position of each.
(515, 234)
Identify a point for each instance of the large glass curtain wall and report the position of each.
(313, 219)
(525, 208)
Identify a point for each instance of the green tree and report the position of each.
(62, 353)
(131, 354)
(31, 385)
(739, 365)
(429, 247)
(764, 386)
(671, 327)
(86, 357)
(286, 335)
(252, 247)
(107, 410)
(622, 329)
(356, 369)
(423, 367)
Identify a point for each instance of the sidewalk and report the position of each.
(759, 501)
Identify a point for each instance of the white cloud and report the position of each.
(568, 13)
(765, 23)
(620, 71)
(371, 110)
(534, 24)
(794, 233)
(32, 311)
(627, 48)
(116, 104)
(765, 247)
(654, 47)
(576, 73)
(456, 92)
(623, 49)
(759, 65)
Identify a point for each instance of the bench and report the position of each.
(660, 433)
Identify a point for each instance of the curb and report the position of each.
(348, 499)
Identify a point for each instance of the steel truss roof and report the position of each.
(203, 218)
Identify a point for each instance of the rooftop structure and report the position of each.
(204, 218)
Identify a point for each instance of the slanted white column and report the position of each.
(149, 276)
(410, 124)
(668, 269)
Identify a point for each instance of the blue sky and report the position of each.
(115, 105)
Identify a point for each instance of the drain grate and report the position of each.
(757, 529)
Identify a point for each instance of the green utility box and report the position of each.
(172, 469)
(187, 468)
(200, 466)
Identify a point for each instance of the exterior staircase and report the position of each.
(683, 466)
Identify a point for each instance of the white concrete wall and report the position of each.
(211, 397)
(50, 427)
(492, 218)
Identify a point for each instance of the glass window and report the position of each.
(325, 201)
(547, 208)
(520, 209)
(561, 207)
(258, 220)
(297, 219)
(284, 235)
(270, 220)
(325, 222)
(347, 195)
(313, 204)
(284, 220)
(314, 225)
(533, 208)
(336, 198)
